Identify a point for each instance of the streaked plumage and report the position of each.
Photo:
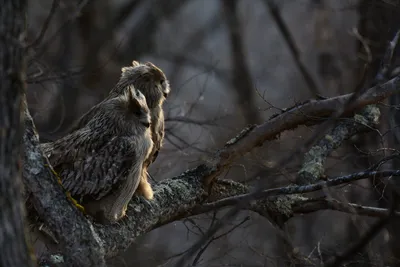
(152, 82)
(101, 164)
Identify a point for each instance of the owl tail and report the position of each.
(126, 191)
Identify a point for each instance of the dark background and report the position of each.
(230, 63)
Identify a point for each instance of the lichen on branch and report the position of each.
(313, 165)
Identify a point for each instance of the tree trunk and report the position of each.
(14, 249)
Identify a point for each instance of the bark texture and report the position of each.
(84, 243)
(80, 244)
(14, 249)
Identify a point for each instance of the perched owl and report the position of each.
(102, 163)
(152, 82)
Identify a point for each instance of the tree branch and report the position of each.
(294, 50)
(309, 205)
(293, 189)
(314, 159)
(79, 241)
(181, 196)
(308, 113)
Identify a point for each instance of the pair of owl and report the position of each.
(103, 161)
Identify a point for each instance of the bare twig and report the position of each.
(387, 61)
(200, 253)
(293, 189)
(241, 77)
(349, 105)
(360, 244)
(310, 112)
(277, 17)
(182, 119)
(305, 113)
(45, 26)
(313, 205)
(51, 39)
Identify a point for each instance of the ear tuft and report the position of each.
(157, 72)
(123, 69)
(135, 63)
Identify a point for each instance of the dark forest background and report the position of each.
(230, 63)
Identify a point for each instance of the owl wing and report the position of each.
(90, 170)
(84, 119)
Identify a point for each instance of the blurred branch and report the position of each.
(198, 256)
(76, 13)
(313, 205)
(61, 116)
(194, 41)
(191, 61)
(45, 26)
(277, 17)
(148, 15)
(241, 76)
(184, 119)
(354, 248)
(127, 8)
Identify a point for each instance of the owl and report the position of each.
(102, 163)
(152, 82)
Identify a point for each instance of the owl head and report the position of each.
(124, 114)
(148, 79)
(136, 105)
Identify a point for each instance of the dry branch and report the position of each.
(75, 233)
(314, 159)
(181, 196)
(308, 113)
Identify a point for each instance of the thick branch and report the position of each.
(185, 196)
(314, 159)
(79, 241)
(297, 189)
(308, 113)
(180, 196)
